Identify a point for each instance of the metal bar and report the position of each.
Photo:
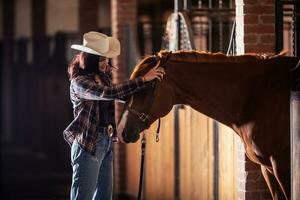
(220, 4)
(209, 35)
(176, 119)
(216, 160)
(294, 30)
(178, 32)
(186, 4)
(199, 4)
(231, 5)
(279, 26)
(177, 154)
(297, 29)
(231, 46)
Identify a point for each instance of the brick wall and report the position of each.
(255, 26)
(251, 184)
(259, 21)
(123, 14)
(255, 33)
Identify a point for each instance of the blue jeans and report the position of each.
(92, 174)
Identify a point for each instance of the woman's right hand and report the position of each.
(155, 73)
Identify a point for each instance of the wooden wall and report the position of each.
(197, 164)
(227, 163)
(196, 155)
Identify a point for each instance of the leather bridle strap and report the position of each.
(143, 117)
(140, 115)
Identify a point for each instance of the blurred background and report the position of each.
(35, 40)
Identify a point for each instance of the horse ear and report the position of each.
(168, 55)
(156, 56)
(166, 58)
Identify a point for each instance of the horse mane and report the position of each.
(142, 65)
(207, 57)
(193, 56)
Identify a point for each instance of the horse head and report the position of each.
(142, 108)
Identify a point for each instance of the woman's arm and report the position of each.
(87, 88)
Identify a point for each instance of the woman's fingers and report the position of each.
(155, 73)
(161, 70)
(157, 65)
(159, 75)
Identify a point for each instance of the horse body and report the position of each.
(248, 93)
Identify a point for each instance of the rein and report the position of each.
(145, 118)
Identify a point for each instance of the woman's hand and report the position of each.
(155, 73)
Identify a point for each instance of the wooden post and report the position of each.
(295, 134)
(295, 141)
(6, 71)
(124, 20)
(40, 44)
(177, 8)
(295, 112)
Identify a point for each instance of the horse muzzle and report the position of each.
(128, 131)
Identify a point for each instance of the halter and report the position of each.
(145, 118)
(142, 116)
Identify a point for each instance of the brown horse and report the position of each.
(248, 93)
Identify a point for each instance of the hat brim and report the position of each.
(113, 51)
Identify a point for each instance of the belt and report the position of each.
(109, 130)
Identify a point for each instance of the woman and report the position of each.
(92, 96)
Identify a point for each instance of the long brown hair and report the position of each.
(83, 64)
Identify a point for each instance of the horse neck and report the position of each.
(218, 90)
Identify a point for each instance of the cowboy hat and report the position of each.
(99, 44)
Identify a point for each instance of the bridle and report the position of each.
(140, 115)
(145, 118)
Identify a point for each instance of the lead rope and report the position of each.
(143, 150)
(157, 131)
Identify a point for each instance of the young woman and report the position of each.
(92, 95)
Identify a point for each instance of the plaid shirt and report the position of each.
(86, 95)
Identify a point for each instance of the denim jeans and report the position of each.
(92, 174)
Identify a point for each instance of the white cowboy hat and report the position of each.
(99, 44)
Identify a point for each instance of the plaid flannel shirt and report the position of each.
(85, 94)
